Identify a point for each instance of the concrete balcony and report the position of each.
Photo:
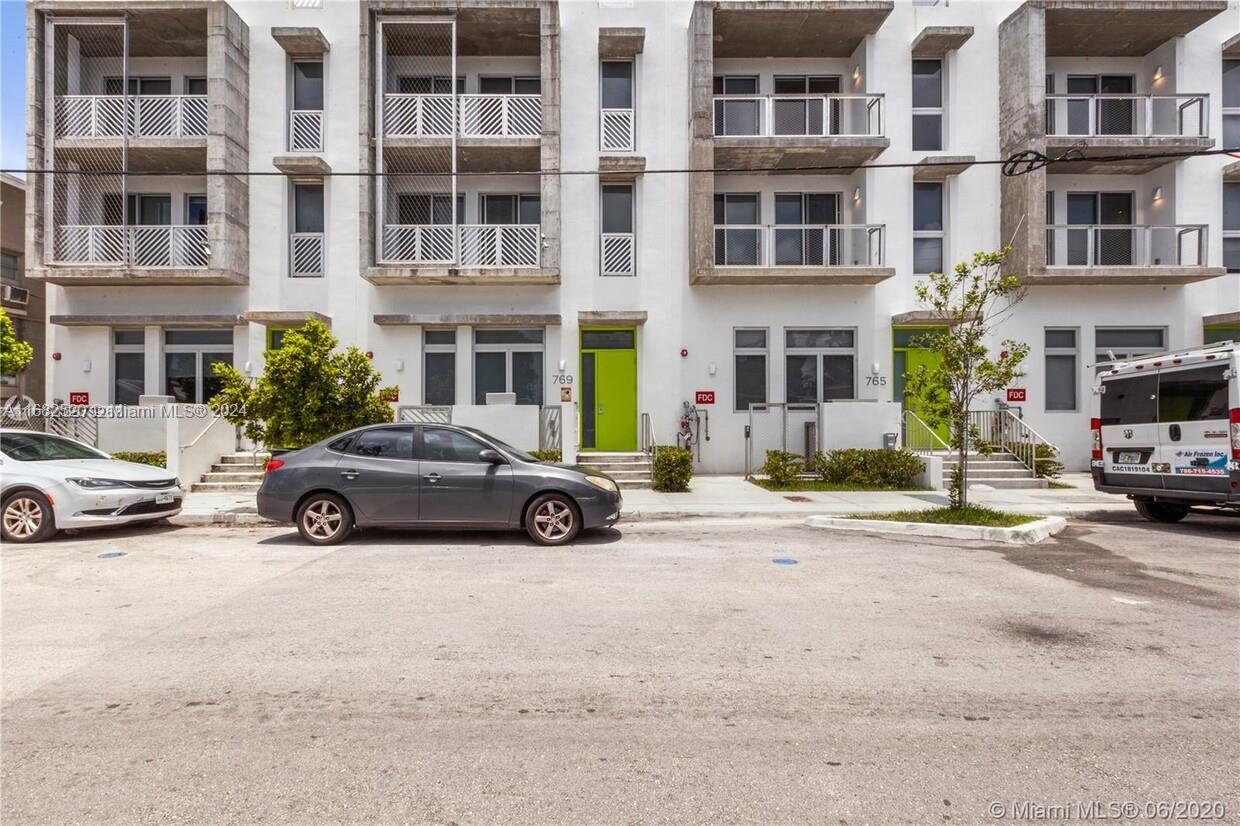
(111, 254)
(783, 131)
(493, 133)
(1118, 124)
(1125, 254)
(793, 254)
(482, 254)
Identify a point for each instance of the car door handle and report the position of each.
(350, 474)
(432, 477)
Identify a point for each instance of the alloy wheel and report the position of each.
(23, 517)
(322, 519)
(553, 520)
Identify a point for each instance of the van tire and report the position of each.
(1160, 511)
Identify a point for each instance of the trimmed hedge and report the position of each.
(673, 468)
(158, 458)
(551, 455)
(875, 468)
(1047, 464)
(782, 467)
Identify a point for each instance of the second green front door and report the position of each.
(608, 390)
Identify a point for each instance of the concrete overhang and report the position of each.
(1077, 276)
(792, 276)
(509, 28)
(301, 41)
(159, 28)
(1123, 147)
(922, 318)
(463, 276)
(1120, 28)
(618, 42)
(795, 28)
(150, 320)
(937, 41)
(934, 168)
(285, 318)
(1221, 319)
(620, 168)
(603, 318)
(109, 276)
(306, 165)
(794, 154)
(1231, 172)
(163, 155)
(1231, 46)
(477, 155)
(475, 320)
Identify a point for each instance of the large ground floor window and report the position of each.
(509, 361)
(820, 365)
(189, 359)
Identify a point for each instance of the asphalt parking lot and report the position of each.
(746, 671)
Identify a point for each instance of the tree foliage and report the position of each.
(15, 354)
(308, 391)
(970, 300)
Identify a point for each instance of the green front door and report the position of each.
(907, 358)
(608, 390)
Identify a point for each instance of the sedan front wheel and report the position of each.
(552, 519)
(27, 517)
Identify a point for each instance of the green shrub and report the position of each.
(870, 468)
(782, 467)
(158, 458)
(815, 462)
(1046, 461)
(551, 455)
(673, 468)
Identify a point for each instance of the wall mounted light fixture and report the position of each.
(1158, 193)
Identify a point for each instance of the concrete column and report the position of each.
(366, 151)
(1022, 125)
(153, 360)
(701, 140)
(35, 138)
(465, 364)
(549, 49)
(228, 129)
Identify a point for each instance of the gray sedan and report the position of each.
(432, 476)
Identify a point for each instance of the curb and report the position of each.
(232, 518)
(1027, 534)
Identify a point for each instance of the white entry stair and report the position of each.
(240, 472)
(998, 470)
(630, 470)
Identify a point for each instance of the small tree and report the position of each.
(969, 300)
(308, 391)
(15, 354)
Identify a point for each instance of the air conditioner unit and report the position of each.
(16, 295)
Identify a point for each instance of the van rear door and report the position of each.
(1129, 416)
(1193, 427)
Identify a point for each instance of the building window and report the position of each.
(1231, 103)
(524, 208)
(820, 365)
(9, 271)
(128, 366)
(189, 363)
(196, 210)
(928, 104)
(305, 125)
(1060, 346)
(439, 367)
(618, 118)
(618, 244)
(1116, 343)
(508, 361)
(802, 233)
(749, 357)
(307, 249)
(927, 228)
(423, 209)
(737, 234)
(1231, 227)
(509, 85)
(425, 85)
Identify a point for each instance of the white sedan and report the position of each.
(49, 483)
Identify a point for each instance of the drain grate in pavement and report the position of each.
(783, 560)
(798, 499)
(112, 554)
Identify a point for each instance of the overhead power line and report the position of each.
(1019, 163)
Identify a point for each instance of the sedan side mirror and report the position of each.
(491, 456)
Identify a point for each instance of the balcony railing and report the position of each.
(134, 116)
(477, 116)
(464, 245)
(618, 253)
(616, 132)
(1185, 116)
(168, 246)
(306, 254)
(305, 130)
(778, 116)
(1122, 245)
(789, 245)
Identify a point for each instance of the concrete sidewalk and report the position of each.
(734, 497)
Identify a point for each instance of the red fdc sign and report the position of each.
(1016, 394)
(79, 399)
(704, 397)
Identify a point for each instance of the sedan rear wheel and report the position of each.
(324, 519)
(552, 519)
(27, 517)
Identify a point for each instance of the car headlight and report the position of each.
(605, 484)
(97, 484)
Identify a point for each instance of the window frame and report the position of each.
(928, 111)
(1100, 353)
(764, 352)
(1075, 353)
(198, 350)
(437, 348)
(941, 234)
(516, 197)
(632, 187)
(1231, 113)
(139, 349)
(818, 353)
(508, 349)
(1230, 234)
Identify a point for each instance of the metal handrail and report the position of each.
(833, 119)
(1143, 115)
(916, 432)
(649, 442)
(1002, 429)
(1126, 245)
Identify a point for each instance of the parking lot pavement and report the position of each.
(747, 670)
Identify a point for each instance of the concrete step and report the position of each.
(999, 465)
(628, 475)
(977, 474)
(633, 484)
(230, 467)
(224, 487)
(620, 467)
(587, 458)
(227, 476)
(1011, 484)
(244, 459)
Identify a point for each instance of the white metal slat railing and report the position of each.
(1003, 430)
(618, 253)
(115, 116)
(478, 116)
(616, 132)
(305, 130)
(466, 245)
(162, 246)
(306, 254)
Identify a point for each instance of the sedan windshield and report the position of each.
(39, 447)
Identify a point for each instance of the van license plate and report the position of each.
(163, 498)
(1128, 457)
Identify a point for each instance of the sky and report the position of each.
(12, 84)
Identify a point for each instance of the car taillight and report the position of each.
(273, 464)
(1235, 433)
(1095, 427)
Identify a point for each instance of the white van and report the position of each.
(1166, 430)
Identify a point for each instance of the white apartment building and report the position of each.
(601, 206)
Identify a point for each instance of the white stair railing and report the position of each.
(991, 430)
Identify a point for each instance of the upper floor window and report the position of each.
(928, 104)
(307, 250)
(523, 208)
(429, 84)
(618, 122)
(9, 271)
(1231, 227)
(619, 250)
(492, 85)
(305, 132)
(738, 237)
(928, 230)
(1231, 103)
